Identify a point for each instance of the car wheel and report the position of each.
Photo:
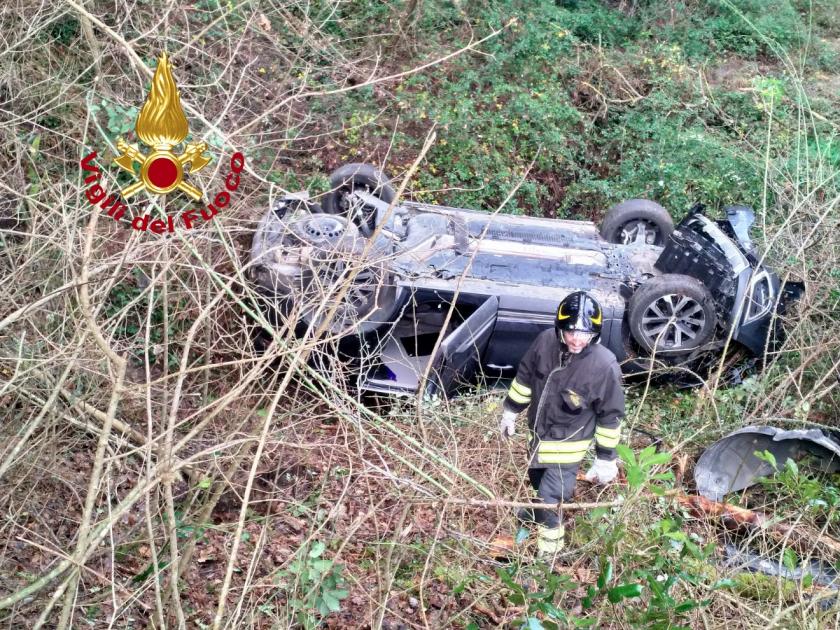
(637, 219)
(672, 313)
(370, 299)
(350, 177)
(323, 230)
(367, 303)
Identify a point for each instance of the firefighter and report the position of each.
(571, 386)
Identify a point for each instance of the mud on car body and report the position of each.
(453, 294)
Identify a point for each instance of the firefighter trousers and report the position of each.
(553, 485)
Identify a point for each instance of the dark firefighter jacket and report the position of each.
(570, 398)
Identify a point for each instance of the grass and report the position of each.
(246, 462)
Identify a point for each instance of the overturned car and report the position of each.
(431, 297)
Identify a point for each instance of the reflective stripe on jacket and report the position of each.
(571, 398)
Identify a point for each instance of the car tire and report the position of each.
(370, 303)
(336, 246)
(622, 221)
(677, 296)
(350, 177)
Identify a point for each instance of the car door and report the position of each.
(459, 355)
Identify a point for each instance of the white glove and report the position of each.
(603, 471)
(506, 425)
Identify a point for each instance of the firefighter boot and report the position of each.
(526, 516)
(549, 541)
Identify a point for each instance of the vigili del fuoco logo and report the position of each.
(161, 126)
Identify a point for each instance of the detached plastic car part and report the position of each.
(730, 464)
(415, 288)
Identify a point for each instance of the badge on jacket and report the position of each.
(573, 401)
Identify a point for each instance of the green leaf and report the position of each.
(35, 146)
(598, 513)
(317, 549)
(789, 558)
(143, 575)
(323, 607)
(554, 612)
(521, 535)
(332, 603)
(686, 606)
(321, 566)
(588, 599)
(624, 591)
(205, 483)
(626, 454)
(767, 456)
(657, 459)
(664, 476)
(505, 577)
(635, 477)
(654, 586)
(693, 549)
(606, 575)
(647, 452)
(724, 583)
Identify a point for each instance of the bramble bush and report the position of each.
(556, 89)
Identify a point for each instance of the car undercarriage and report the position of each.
(437, 297)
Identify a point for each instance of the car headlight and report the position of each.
(759, 297)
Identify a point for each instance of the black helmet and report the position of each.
(579, 311)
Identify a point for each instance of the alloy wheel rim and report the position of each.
(673, 321)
